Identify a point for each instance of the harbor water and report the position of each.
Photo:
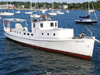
(18, 59)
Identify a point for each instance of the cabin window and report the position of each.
(24, 33)
(27, 33)
(19, 32)
(42, 33)
(52, 25)
(41, 25)
(31, 34)
(54, 34)
(33, 25)
(55, 24)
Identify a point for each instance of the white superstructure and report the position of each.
(46, 35)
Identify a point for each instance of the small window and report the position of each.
(24, 33)
(27, 33)
(52, 25)
(55, 24)
(54, 34)
(47, 33)
(31, 34)
(33, 25)
(15, 31)
(42, 33)
(19, 32)
(41, 25)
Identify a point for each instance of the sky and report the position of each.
(49, 1)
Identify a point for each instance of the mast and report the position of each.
(88, 8)
(35, 4)
(94, 12)
(31, 4)
(52, 5)
(60, 5)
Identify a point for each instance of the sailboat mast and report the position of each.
(94, 12)
(35, 4)
(7, 4)
(52, 5)
(60, 5)
(88, 8)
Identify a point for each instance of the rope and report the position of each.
(97, 40)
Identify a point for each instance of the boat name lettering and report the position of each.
(79, 41)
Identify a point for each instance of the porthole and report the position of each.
(54, 34)
(27, 33)
(47, 33)
(42, 33)
(19, 32)
(31, 34)
(24, 33)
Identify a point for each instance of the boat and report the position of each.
(30, 12)
(46, 35)
(52, 13)
(67, 11)
(18, 12)
(59, 11)
(6, 13)
(87, 19)
(35, 15)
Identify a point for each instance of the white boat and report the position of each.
(46, 35)
(35, 16)
(18, 12)
(87, 19)
(30, 12)
(52, 13)
(59, 12)
(67, 11)
(6, 14)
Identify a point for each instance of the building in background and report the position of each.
(7, 6)
(22, 6)
(65, 7)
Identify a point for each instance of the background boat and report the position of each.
(52, 13)
(86, 19)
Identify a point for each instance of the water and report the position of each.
(17, 59)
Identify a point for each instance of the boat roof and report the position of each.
(15, 19)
